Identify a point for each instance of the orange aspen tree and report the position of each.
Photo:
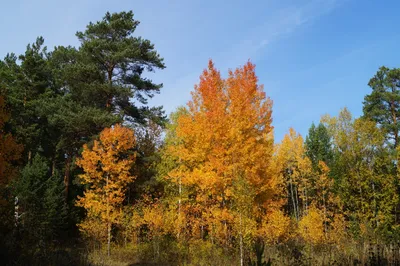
(106, 175)
(199, 131)
(249, 150)
(225, 152)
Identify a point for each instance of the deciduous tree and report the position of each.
(367, 185)
(224, 153)
(295, 168)
(107, 172)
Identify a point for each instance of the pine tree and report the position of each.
(10, 154)
(318, 145)
(383, 104)
(110, 49)
(43, 211)
(26, 80)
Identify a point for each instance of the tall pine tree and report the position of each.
(383, 104)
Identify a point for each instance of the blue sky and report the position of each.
(313, 56)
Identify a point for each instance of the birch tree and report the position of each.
(106, 175)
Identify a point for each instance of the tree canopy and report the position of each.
(91, 173)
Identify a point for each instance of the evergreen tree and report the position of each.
(64, 98)
(10, 154)
(119, 60)
(26, 81)
(43, 211)
(318, 145)
(383, 104)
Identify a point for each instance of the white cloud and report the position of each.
(284, 22)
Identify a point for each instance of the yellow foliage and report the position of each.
(338, 230)
(95, 228)
(276, 227)
(294, 168)
(224, 154)
(291, 158)
(368, 188)
(219, 220)
(106, 169)
(159, 219)
(311, 226)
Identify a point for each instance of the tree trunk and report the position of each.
(305, 201)
(67, 176)
(180, 195)
(297, 203)
(375, 205)
(108, 238)
(179, 206)
(154, 249)
(325, 216)
(241, 242)
(109, 97)
(293, 201)
(259, 247)
(53, 166)
(394, 117)
(362, 200)
(109, 220)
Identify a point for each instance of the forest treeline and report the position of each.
(91, 175)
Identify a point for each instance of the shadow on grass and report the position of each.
(146, 264)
